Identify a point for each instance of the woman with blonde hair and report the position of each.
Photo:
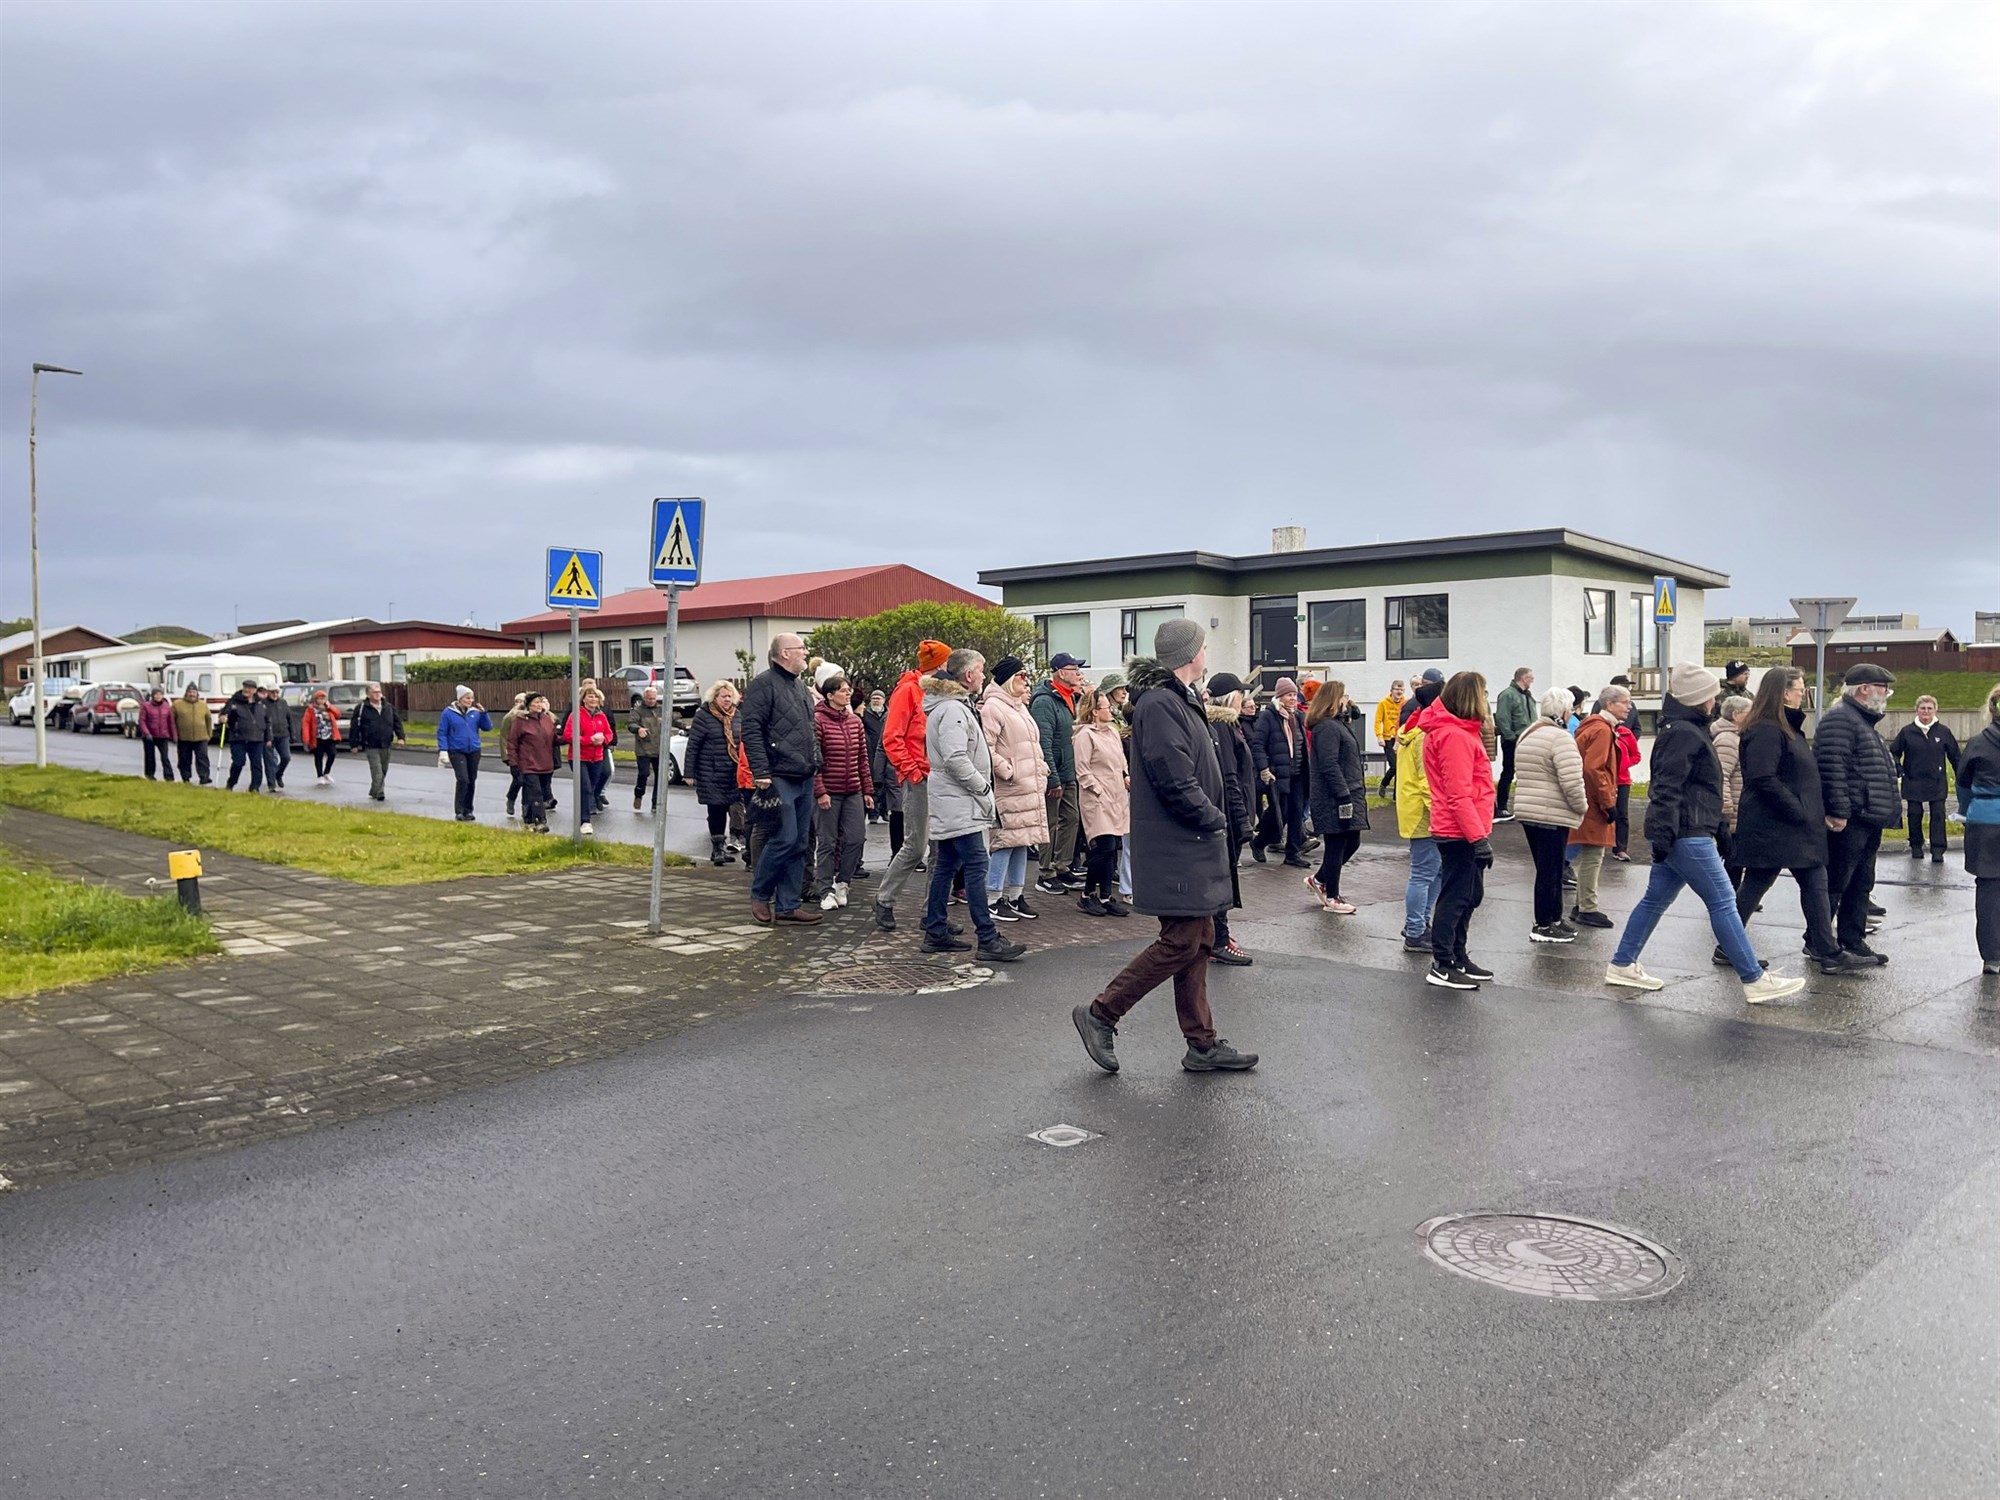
(711, 767)
(1103, 785)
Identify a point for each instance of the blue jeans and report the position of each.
(241, 752)
(1008, 873)
(967, 852)
(1693, 862)
(277, 759)
(781, 868)
(1421, 894)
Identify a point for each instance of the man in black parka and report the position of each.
(1923, 751)
(1180, 854)
(1857, 779)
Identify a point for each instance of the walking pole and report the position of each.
(666, 761)
(575, 729)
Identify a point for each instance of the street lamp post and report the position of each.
(35, 563)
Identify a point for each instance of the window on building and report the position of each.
(614, 656)
(1136, 627)
(1643, 650)
(586, 659)
(1337, 630)
(399, 666)
(642, 651)
(1598, 608)
(1417, 627)
(1069, 633)
(347, 669)
(375, 669)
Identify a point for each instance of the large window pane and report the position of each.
(1069, 633)
(1337, 630)
(1418, 627)
(642, 651)
(1136, 627)
(1644, 643)
(1599, 608)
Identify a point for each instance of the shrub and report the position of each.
(489, 669)
(877, 650)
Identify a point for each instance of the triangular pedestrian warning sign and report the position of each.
(675, 549)
(574, 582)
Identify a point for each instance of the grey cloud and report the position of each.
(395, 290)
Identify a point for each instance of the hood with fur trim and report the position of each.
(1222, 713)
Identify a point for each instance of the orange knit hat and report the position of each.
(931, 655)
(1310, 687)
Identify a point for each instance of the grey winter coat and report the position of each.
(961, 784)
(1334, 778)
(1857, 774)
(646, 717)
(1548, 777)
(1180, 833)
(775, 725)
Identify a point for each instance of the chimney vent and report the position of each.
(1288, 539)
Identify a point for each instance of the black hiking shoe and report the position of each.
(885, 917)
(946, 944)
(1002, 950)
(1220, 1058)
(1099, 1037)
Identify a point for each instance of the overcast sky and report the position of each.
(374, 302)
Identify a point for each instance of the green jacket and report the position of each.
(1057, 722)
(647, 718)
(193, 721)
(1513, 712)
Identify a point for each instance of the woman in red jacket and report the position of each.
(321, 732)
(1461, 781)
(843, 791)
(594, 736)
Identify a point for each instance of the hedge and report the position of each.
(489, 669)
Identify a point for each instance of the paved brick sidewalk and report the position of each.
(337, 1000)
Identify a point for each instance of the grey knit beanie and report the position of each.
(1177, 642)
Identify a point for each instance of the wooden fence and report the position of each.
(498, 696)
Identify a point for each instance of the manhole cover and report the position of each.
(1063, 1135)
(1552, 1255)
(893, 978)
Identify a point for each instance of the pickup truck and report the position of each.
(56, 705)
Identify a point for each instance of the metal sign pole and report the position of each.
(575, 728)
(1819, 675)
(666, 761)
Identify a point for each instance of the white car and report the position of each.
(677, 752)
(21, 707)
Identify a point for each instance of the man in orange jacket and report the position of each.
(903, 731)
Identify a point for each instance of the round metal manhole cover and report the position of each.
(1552, 1255)
(905, 978)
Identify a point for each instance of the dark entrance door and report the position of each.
(1274, 638)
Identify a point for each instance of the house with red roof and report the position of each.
(727, 615)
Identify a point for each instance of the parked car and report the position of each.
(55, 710)
(687, 690)
(96, 708)
(677, 753)
(344, 696)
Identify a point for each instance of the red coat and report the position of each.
(309, 731)
(1628, 754)
(903, 730)
(843, 753)
(1460, 775)
(587, 724)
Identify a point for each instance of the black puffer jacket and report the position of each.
(1239, 768)
(710, 766)
(375, 727)
(1335, 777)
(1684, 799)
(1780, 819)
(242, 721)
(1857, 774)
(775, 722)
(1180, 832)
(1921, 755)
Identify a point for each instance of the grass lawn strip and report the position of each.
(373, 848)
(56, 932)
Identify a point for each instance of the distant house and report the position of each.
(383, 653)
(303, 650)
(66, 652)
(731, 614)
(1898, 650)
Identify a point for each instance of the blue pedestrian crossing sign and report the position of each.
(677, 533)
(576, 578)
(1666, 601)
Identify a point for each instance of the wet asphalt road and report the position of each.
(811, 1252)
(416, 784)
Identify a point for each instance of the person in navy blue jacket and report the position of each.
(1278, 747)
(459, 727)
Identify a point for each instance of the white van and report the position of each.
(219, 676)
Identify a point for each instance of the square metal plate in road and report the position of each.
(576, 578)
(678, 529)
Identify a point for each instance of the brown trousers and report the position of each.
(1179, 953)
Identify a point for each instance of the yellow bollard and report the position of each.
(184, 865)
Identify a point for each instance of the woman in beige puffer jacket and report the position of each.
(1020, 782)
(1549, 800)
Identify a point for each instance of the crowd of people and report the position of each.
(1140, 794)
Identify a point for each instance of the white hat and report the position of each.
(461, 691)
(826, 673)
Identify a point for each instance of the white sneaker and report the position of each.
(840, 892)
(588, 829)
(1771, 987)
(1633, 976)
(831, 900)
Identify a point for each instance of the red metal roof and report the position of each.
(408, 634)
(838, 594)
